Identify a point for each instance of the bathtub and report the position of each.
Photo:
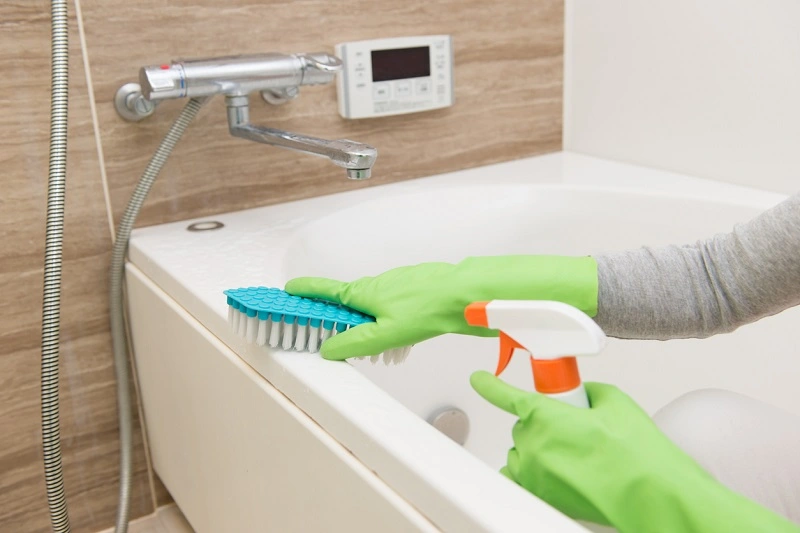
(254, 439)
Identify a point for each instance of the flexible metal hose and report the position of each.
(51, 305)
(116, 304)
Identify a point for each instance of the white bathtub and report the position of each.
(248, 438)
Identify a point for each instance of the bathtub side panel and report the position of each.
(235, 453)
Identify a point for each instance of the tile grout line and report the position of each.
(95, 121)
(110, 217)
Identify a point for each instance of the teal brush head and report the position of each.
(268, 316)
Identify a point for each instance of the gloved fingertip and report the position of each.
(478, 378)
(332, 356)
(333, 351)
(314, 287)
(360, 341)
(496, 391)
(296, 284)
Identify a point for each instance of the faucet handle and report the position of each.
(325, 65)
(329, 63)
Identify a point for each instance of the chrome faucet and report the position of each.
(277, 77)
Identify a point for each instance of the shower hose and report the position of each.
(51, 305)
(115, 298)
(56, 189)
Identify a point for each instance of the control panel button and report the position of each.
(423, 87)
(381, 91)
(402, 88)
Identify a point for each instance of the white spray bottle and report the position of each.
(553, 334)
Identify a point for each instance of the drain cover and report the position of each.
(205, 226)
(451, 421)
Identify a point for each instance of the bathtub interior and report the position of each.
(560, 203)
(449, 223)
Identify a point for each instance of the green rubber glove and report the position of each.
(611, 465)
(415, 303)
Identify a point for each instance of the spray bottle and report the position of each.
(553, 334)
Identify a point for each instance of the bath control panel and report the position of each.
(395, 76)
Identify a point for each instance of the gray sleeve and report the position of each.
(712, 286)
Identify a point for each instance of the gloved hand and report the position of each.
(611, 465)
(415, 303)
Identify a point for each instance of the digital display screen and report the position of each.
(401, 63)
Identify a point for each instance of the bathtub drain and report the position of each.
(205, 226)
(451, 421)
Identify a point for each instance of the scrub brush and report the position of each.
(273, 317)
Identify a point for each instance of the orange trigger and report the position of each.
(507, 347)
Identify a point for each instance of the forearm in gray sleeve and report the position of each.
(713, 286)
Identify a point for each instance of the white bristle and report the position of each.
(252, 328)
(234, 320)
(300, 337)
(313, 339)
(398, 355)
(297, 337)
(275, 334)
(391, 356)
(288, 336)
(242, 329)
(261, 337)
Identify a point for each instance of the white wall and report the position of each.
(706, 87)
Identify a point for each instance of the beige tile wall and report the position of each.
(508, 74)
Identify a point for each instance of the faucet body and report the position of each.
(277, 77)
(236, 75)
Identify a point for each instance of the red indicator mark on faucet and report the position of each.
(164, 67)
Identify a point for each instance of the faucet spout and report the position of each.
(357, 158)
